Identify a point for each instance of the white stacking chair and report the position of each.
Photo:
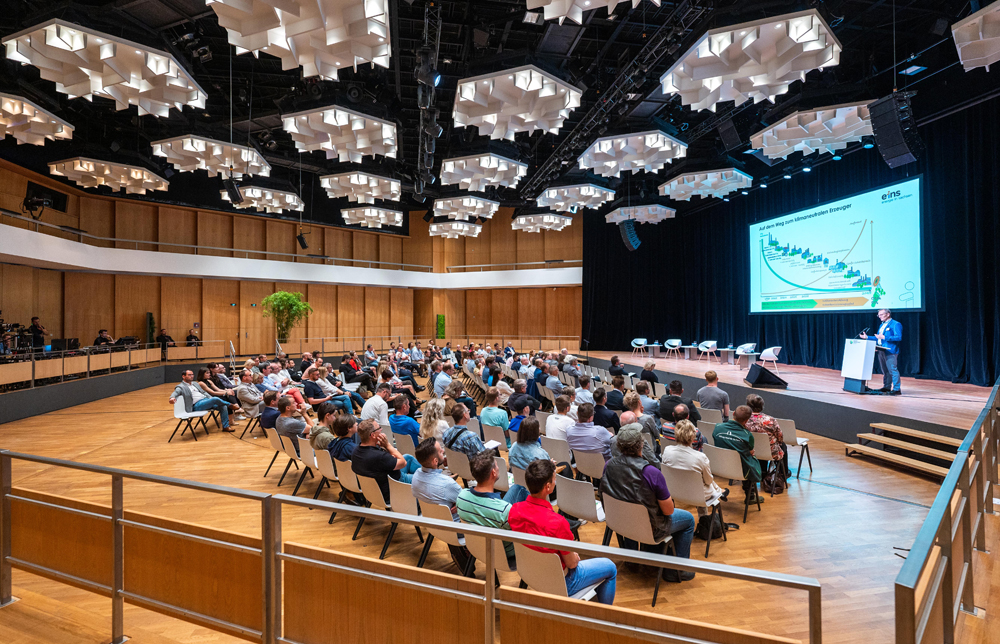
(252, 423)
(590, 464)
(727, 464)
(458, 463)
(710, 415)
(542, 571)
(442, 513)
(631, 520)
(659, 390)
(770, 354)
(761, 447)
(687, 487)
(403, 501)
(289, 450)
(542, 417)
(673, 347)
(576, 498)
(518, 474)
(792, 439)
(707, 430)
(273, 438)
(326, 468)
(474, 427)
(491, 433)
(404, 444)
(477, 546)
(558, 449)
(348, 483)
(307, 459)
(503, 481)
(708, 348)
(373, 493)
(450, 421)
(639, 345)
(186, 418)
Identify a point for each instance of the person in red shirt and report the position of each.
(535, 515)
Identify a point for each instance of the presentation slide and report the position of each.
(857, 254)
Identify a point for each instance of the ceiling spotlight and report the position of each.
(434, 130)
(744, 192)
(425, 72)
(725, 198)
(532, 18)
(423, 97)
(806, 168)
(837, 157)
(788, 176)
(763, 185)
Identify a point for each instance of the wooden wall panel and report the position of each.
(418, 247)
(401, 312)
(454, 252)
(97, 217)
(178, 226)
(323, 321)
(350, 311)
(503, 238)
(424, 315)
(315, 239)
(339, 243)
(563, 311)
(504, 303)
(390, 249)
(220, 306)
(215, 229)
(135, 295)
(257, 333)
(365, 248)
(479, 313)
(478, 249)
(48, 300)
(89, 305)
(250, 234)
(300, 331)
(17, 296)
(180, 307)
(281, 239)
(530, 246)
(13, 186)
(136, 220)
(376, 312)
(531, 311)
(454, 312)
(567, 243)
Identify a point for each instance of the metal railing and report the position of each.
(46, 367)
(272, 555)
(548, 263)
(937, 579)
(237, 252)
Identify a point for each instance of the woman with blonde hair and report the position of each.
(684, 457)
(647, 373)
(432, 423)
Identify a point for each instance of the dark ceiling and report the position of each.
(477, 37)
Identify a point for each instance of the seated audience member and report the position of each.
(492, 414)
(375, 457)
(570, 393)
(321, 435)
(355, 397)
(258, 382)
(526, 448)
(587, 437)
(456, 394)
(432, 485)
(540, 372)
(504, 390)
(377, 407)
(219, 376)
(520, 397)
(508, 351)
(192, 338)
(195, 399)
(629, 420)
(459, 437)
(443, 379)
(762, 423)
(524, 368)
(313, 392)
(345, 428)
(617, 394)
(647, 372)
(535, 515)
(400, 421)
(649, 404)
(584, 392)
(338, 397)
(482, 505)
(251, 399)
(553, 382)
(711, 396)
(446, 352)
(289, 426)
(515, 422)
(572, 368)
(370, 356)
(252, 365)
(616, 368)
(103, 338)
(398, 386)
(352, 374)
(628, 477)
(673, 398)
(559, 422)
(164, 340)
(270, 413)
(433, 422)
(436, 367)
(209, 387)
(307, 361)
(602, 415)
(669, 428)
(733, 434)
(633, 403)
(683, 456)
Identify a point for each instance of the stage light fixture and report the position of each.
(190, 152)
(837, 157)
(649, 151)
(361, 187)
(725, 198)
(714, 183)
(91, 173)
(763, 185)
(29, 123)
(341, 133)
(868, 142)
(977, 38)
(788, 176)
(424, 71)
(806, 168)
(478, 171)
(744, 192)
(825, 129)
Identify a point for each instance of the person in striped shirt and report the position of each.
(482, 505)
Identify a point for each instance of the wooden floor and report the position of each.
(933, 401)
(839, 524)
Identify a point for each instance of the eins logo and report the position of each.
(892, 194)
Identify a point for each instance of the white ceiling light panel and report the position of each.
(977, 38)
(91, 173)
(465, 208)
(190, 152)
(455, 229)
(372, 217)
(754, 60)
(480, 170)
(361, 187)
(650, 214)
(573, 9)
(323, 36)
(341, 133)
(572, 198)
(504, 103)
(716, 183)
(650, 151)
(538, 223)
(266, 199)
(29, 123)
(825, 130)
(88, 63)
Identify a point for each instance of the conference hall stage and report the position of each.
(815, 398)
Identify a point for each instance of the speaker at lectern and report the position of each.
(859, 356)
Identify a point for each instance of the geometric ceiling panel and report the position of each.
(267, 199)
(571, 198)
(524, 99)
(455, 229)
(465, 207)
(372, 217)
(341, 133)
(715, 183)
(190, 152)
(91, 173)
(651, 214)
(323, 36)
(754, 60)
(538, 223)
(573, 9)
(825, 129)
(29, 123)
(360, 187)
(480, 170)
(649, 151)
(977, 38)
(84, 62)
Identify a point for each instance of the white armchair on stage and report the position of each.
(707, 348)
(639, 344)
(673, 347)
(771, 355)
(745, 349)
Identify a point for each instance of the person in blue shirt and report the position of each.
(345, 428)
(443, 379)
(400, 421)
(890, 334)
(270, 414)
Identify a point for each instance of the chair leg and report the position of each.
(420, 535)
(175, 430)
(802, 452)
(711, 523)
(470, 567)
(290, 461)
(388, 539)
(808, 457)
(607, 536)
(722, 520)
(427, 547)
(769, 466)
(757, 495)
(361, 522)
(659, 575)
(272, 463)
(746, 508)
(193, 433)
(319, 488)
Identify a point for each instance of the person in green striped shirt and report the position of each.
(482, 505)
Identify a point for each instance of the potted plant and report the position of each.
(287, 309)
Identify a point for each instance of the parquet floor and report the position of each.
(838, 524)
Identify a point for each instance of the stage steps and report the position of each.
(907, 443)
(916, 433)
(911, 447)
(913, 463)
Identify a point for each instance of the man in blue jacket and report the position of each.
(890, 334)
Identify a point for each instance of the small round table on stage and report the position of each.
(651, 349)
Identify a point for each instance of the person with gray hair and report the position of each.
(631, 478)
(520, 398)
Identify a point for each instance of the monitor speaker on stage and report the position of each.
(760, 378)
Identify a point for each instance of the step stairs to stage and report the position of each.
(866, 447)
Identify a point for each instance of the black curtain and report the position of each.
(688, 279)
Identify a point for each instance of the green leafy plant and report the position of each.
(287, 309)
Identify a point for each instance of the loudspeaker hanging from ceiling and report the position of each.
(895, 129)
(627, 229)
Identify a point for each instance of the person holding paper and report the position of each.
(890, 334)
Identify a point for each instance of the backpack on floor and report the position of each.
(701, 532)
(774, 482)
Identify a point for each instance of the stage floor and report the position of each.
(930, 401)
